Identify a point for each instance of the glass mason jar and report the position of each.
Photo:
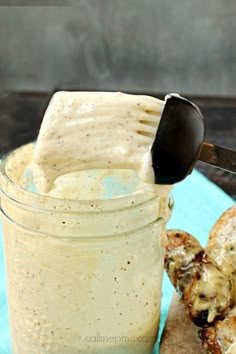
(83, 276)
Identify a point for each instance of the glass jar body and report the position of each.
(82, 276)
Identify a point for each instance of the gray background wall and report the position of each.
(185, 46)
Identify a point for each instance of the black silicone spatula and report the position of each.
(179, 143)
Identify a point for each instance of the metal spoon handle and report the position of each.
(218, 156)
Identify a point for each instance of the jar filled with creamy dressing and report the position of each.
(83, 275)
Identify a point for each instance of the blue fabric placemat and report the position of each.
(198, 204)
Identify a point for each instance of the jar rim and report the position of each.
(28, 198)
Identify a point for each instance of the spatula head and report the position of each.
(178, 140)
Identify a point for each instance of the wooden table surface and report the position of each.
(21, 115)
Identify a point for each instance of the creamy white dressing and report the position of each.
(218, 293)
(95, 130)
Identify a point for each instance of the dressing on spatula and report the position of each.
(95, 130)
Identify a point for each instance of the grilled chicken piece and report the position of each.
(221, 338)
(206, 280)
(197, 278)
(221, 245)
